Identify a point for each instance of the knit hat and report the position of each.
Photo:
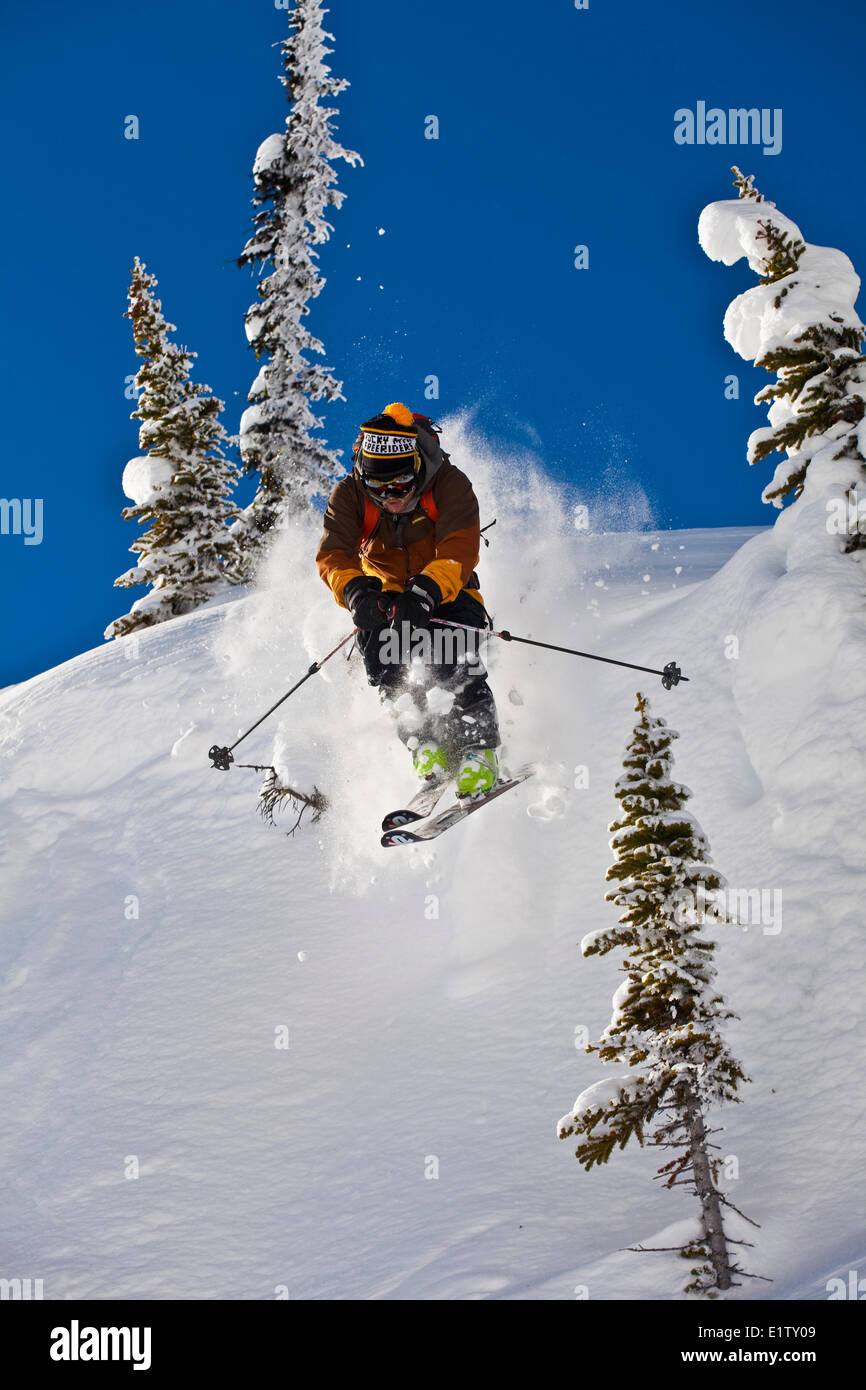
(387, 446)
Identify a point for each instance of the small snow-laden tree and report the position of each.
(181, 483)
(667, 1014)
(295, 184)
(800, 324)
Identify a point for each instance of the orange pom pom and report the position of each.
(399, 412)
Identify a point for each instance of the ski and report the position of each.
(421, 805)
(452, 814)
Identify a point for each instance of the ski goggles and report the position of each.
(401, 486)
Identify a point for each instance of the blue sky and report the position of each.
(556, 129)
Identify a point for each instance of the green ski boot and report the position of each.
(430, 762)
(478, 771)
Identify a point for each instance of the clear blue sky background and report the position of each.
(556, 129)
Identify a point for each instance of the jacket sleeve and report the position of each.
(338, 556)
(458, 534)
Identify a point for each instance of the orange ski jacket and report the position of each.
(440, 537)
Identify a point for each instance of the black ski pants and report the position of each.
(414, 668)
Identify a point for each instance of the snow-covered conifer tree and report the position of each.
(800, 324)
(667, 1013)
(294, 187)
(181, 483)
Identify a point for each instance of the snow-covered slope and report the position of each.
(157, 937)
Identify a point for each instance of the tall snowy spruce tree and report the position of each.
(801, 325)
(294, 186)
(183, 481)
(667, 1013)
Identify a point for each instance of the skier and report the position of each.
(400, 546)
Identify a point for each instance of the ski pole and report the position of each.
(671, 675)
(221, 758)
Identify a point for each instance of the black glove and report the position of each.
(417, 601)
(363, 598)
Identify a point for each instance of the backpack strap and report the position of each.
(372, 516)
(428, 503)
